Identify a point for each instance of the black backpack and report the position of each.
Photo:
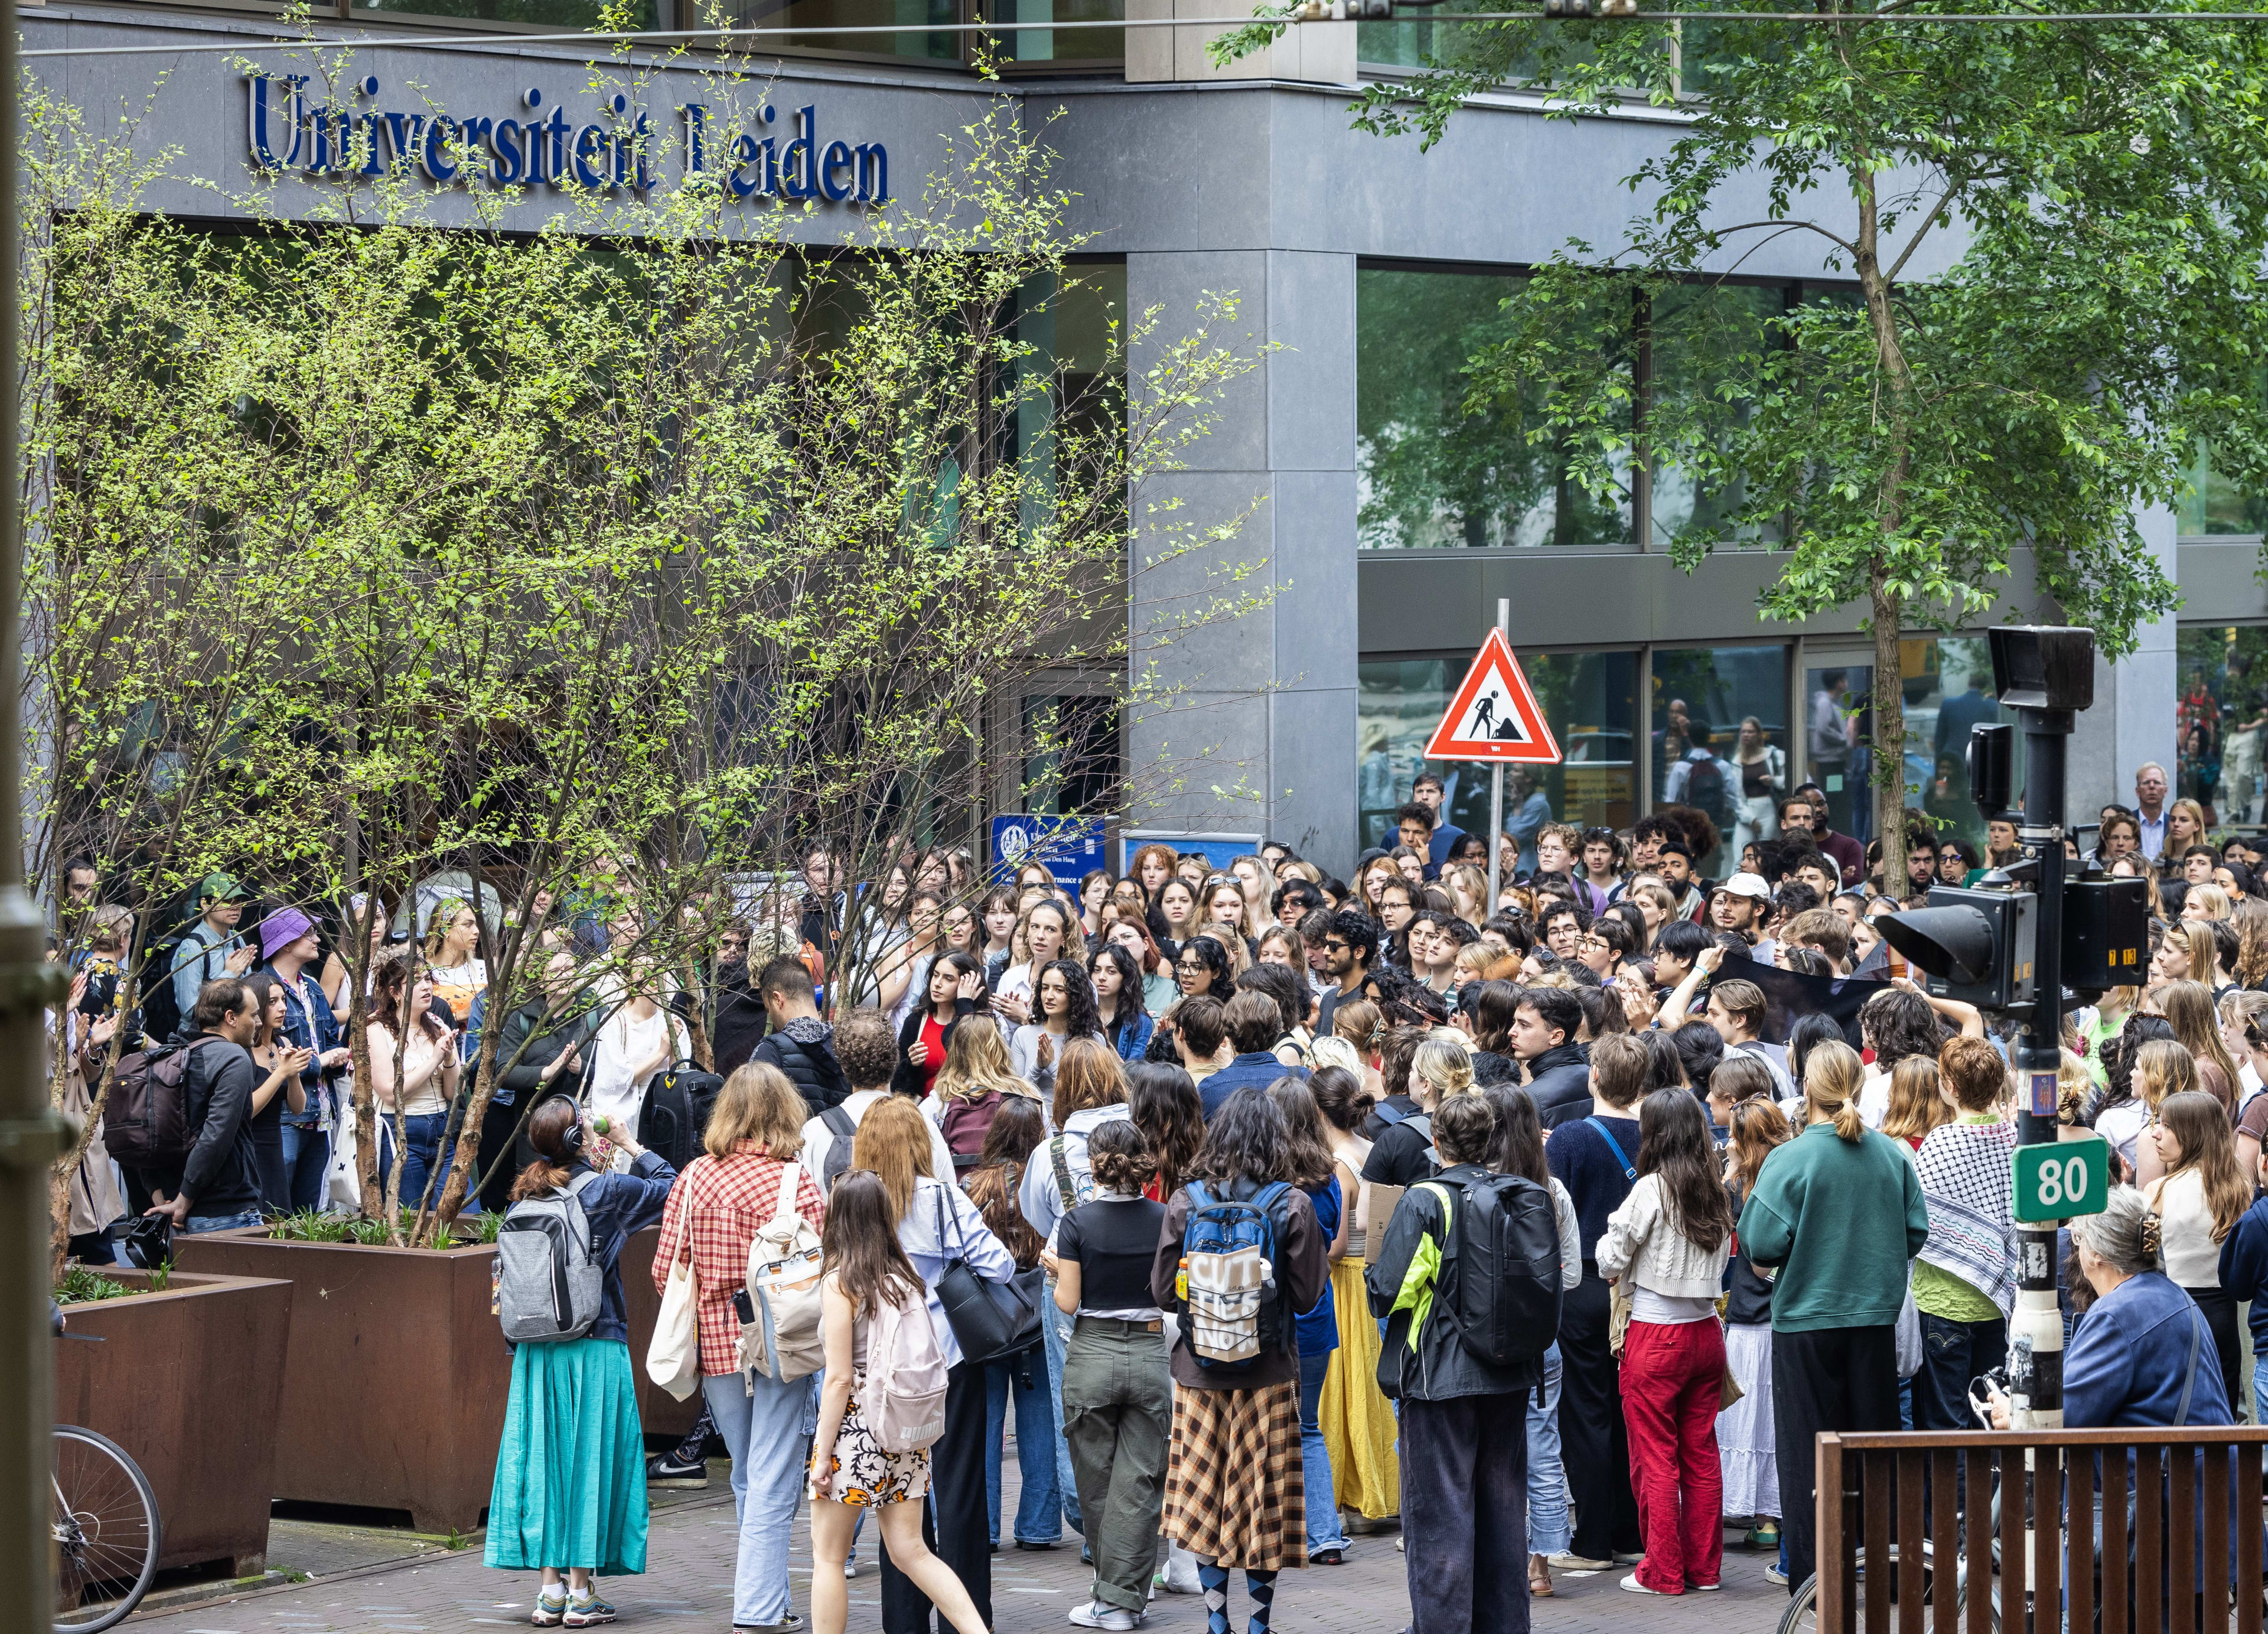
(845, 1129)
(145, 1118)
(1705, 787)
(1504, 1236)
(678, 1102)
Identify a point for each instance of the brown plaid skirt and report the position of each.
(1233, 1488)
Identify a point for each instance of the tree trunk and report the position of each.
(1890, 804)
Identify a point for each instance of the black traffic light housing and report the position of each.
(1976, 945)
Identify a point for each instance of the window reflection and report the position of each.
(2220, 722)
(1720, 740)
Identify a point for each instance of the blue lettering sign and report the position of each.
(288, 131)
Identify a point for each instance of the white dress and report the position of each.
(623, 1044)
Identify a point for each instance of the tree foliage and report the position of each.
(2044, 245)
(612, 565)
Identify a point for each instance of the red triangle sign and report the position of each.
(1494, 716)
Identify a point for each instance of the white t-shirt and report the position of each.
(2192, 1257)
(623, 1044)
(2121, 1126)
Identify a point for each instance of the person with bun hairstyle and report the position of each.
(569, 1499)
(1117, 1379)
(1440, 1069)
(1838, 1212)
(1964, 1283)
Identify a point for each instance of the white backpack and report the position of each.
(902, 1401)
(783, 1283)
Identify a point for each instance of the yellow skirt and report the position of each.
(1357, 1421)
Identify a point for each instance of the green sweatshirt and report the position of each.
(1825, 1212)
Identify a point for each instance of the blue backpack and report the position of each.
(1227, 1278)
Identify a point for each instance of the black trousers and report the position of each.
(953, 1523)
(2220, 1307)
(1464, 1513)
(1831, 1378)
(1594, 1441)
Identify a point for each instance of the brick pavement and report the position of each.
(689, 1580)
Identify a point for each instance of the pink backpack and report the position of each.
(902, 1401)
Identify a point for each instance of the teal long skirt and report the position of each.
(570, 1472)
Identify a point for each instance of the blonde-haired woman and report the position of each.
(2185, 953)
(1440, 1069)
(1654, 902)
(1837, 1212)
(937, 1225)
(1045, 931)
(2205, 904)
(1468, 889)
(976, 1074)
(747, 1177)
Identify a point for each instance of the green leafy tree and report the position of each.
(2050, 239)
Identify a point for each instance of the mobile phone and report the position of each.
(743, 1307)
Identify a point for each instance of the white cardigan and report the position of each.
(1642, 1238)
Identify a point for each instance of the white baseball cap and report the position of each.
(1747, 884)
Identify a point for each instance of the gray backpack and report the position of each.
(549, 1278)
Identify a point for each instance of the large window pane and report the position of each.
(1072, 47)
(1430, 474)
(1701, 335)
(1720, 740)
(1590, 700)
(2213, 505)
(2220, 722)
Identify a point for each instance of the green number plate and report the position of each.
(2056, 1183)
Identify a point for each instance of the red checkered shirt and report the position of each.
(720, 1204)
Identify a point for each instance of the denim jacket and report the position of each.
(309, 1023)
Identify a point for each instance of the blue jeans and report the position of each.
(197, 1224)
(1055, 1329)
(764, 1435)
(1547, 1530)
(1323, 1529)
(420, 1163)
(307, 1165)
(1039, 1510)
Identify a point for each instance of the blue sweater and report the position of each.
(1254, 1067)
(2244, 1267)
(2130, 1359)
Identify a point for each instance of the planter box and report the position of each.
(663, 1415)
(395, 1379)
(187, 1381)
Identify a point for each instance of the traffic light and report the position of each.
(1991, 945)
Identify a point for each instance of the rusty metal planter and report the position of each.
(396, 1376)
(187, 1381)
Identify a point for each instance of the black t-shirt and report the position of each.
(1114, 1241)
(1375, 1125)
(1401, 1156)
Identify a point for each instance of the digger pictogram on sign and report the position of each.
(1494, 716)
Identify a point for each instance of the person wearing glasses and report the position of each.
(1350, 947)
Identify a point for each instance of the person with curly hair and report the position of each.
(1063, 999)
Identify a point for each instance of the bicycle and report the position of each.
(104, 1546)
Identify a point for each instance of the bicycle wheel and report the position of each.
(105, 1548)
(1802, 1614)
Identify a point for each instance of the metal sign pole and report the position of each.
(1496, 789)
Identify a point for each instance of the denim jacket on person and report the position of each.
(309, 1024)
(616, 1205)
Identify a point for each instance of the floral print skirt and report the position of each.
(864, 1475)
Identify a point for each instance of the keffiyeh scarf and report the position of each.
(1965, 1173)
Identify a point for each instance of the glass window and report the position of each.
(2211, 504)
(1720, 740)
(1430, 474)
(1071, 755)
(1065, 48)
(1590, 700)
(2221, 721)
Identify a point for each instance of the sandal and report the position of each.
(1539, 1578)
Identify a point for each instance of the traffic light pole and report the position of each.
(2035, 1335)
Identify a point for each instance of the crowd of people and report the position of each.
(1526, 1228)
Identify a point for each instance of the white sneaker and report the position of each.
(1636, 1587)
(1098, 1615)
(850, 1566)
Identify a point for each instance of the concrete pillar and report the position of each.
(1258, 737)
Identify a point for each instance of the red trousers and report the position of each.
(1671, 1377)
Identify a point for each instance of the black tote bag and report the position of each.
(990, 1320)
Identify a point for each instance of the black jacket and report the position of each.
(1435, 1365)
(1559, 1081)
(221, 1174)
(907, 1079)
(739, 1017)
(552, 1033)
(809, 1063)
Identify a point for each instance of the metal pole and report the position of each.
(2035, 1335)
(1496, 789)
(28, 1128)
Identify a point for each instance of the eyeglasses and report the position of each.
(1332, 944)
(1193, 967)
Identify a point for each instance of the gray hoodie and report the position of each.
(1040, 1196)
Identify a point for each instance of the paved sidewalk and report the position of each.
(688, 1581)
